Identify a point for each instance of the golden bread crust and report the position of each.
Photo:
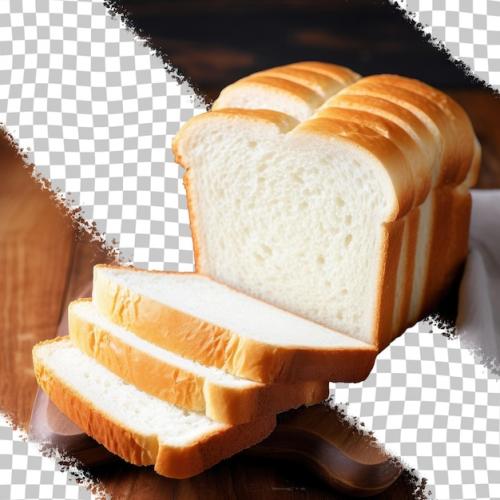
(184, 388)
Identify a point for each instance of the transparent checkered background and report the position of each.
(97, 110)
(432, 404)
(469, 29)
(26, 473)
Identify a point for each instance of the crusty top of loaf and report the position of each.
(433, 144)
(316, 129)
(297, 89)
(454, 124)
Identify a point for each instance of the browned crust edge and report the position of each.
(449, 246)
(386, 290)
(193, 221)
(171, 383)
(413, 225)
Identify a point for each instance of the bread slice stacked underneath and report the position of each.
(342, 199)
(179, 371)
(142, 429)
(178, 380)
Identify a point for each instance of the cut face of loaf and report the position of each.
(308, 218)
(181, 381)
(205, 321)
(141, 429)
(299, 215)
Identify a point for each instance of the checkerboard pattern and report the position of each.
(96, 109)
(432, 404)
(26, 473)
(469, 29)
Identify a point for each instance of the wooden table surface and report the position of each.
(43, 260)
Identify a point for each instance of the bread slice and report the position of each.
(308, 219)
(140, 428)
(420, 172)
(453, 200)
(181, 381)
(200, 319)
(428, 114)
(416, 239)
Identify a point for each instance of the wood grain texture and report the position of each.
(240, 478)
(39, 252)
(36, 248)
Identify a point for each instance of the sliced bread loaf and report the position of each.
(181, 381)
(200, 319)
(140, 428)
(300, 217)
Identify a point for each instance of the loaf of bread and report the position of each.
(208, 322)
(136, 426)
(341, 199)
(338, 205)
(181, 381)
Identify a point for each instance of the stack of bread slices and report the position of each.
(320, 204)
(180, 371)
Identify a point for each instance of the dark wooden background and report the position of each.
(213, 42)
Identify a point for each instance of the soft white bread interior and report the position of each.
(343, 217)
(181, 381)
(138, 427)
(305, 219)
(201, 319)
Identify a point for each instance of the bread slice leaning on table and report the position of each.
(332, 202)
(140, 428)
(179, 380)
